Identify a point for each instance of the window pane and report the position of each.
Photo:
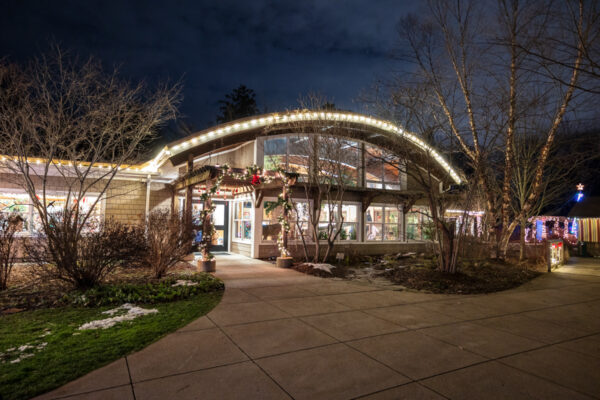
(247, 230)
(338, 160)
(247, 210)
(219, 215)
(374, 185)
(237, 229)
(348, 232)
(270, 230)
(299, 151)
(294, 233)
(391, 215)
(374, 214)
(391, 232)
(373, 231)
(391, 171)
(373, 164)
(323, 231)
(302, 209)
(272, 215)
(350, 213)
(275, 154)
(16, 204)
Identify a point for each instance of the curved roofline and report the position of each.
(260, 121)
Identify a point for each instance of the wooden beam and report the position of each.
(260, 193)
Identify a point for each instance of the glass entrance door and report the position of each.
(220, 219)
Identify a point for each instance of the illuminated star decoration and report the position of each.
(579, 195)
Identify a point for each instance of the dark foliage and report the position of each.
(239, 103)
(161, 291)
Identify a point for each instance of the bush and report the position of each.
(8, 252)
(162, 291)
(85, 261)
(167, 241)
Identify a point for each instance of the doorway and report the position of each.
(220, 217)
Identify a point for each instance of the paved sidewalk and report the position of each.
(278, 334)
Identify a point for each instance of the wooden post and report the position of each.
(188, 197)
(284, 235)
(207, 228)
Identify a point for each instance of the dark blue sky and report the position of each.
(281, 49)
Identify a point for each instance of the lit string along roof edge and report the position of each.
(224, 130)
(276, 118)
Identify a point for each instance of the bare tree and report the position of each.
(480, 67)
(8, 252)
(168, 241)
(568, 155)
(99, 252)
(70, 125)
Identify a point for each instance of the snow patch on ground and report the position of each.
(184, 282)
(126, 312)
(322, 267)
(20, 353)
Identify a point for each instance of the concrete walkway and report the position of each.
(278, 334)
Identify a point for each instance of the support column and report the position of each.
(148, 184)
(188, 197)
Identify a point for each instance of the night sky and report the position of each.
(281, 49)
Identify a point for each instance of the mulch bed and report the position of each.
(484, 277)
(418, 272)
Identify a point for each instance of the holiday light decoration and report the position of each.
(579, 194)
(224, 130)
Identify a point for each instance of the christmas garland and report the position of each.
(252, 173)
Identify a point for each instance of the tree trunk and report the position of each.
(522, 239)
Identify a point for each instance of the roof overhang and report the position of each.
(373, 130)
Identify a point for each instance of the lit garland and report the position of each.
(252, 173)
(208, 229)
(284, 201)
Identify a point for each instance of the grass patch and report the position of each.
(70, 353)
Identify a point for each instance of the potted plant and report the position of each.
(207, 263)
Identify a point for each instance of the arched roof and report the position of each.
(251, 127)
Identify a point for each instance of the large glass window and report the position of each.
(417, 223)
(349, 213)
(383, 223)
(338, 160)
(242, 220)
(298, 219)
(17, 204)
(275, 153)
(270, 222)
(382, 169)
(31, 222)
(299, 154)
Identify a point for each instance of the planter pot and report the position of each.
(284, 262)
(207, 266)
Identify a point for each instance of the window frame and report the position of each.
(235, 220)
(383, 224)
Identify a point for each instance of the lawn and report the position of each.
(62, 352)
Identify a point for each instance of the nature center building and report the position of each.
(382, 206)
